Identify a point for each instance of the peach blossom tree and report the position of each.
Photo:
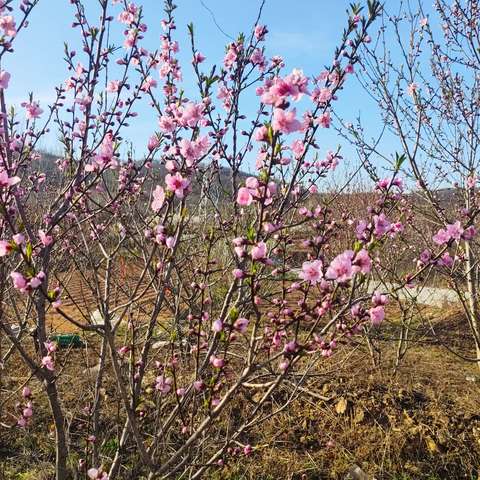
(193, 296)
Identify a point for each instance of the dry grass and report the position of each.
(422, 423)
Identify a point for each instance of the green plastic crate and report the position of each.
(67, 340)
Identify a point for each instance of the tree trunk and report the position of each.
(61, 472)
(473, 300)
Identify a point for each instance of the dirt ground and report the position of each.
(421, 423)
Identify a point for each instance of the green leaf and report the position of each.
(233, 314)
(357, 246)
(399, 159)
(209, 81)
(263, 176)
(269, 133)
(28, 251)
(251, 233)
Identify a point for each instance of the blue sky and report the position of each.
(304, 32)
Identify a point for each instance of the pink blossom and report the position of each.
(105, 156)
(126, 17)
(4, 79)
(244, 197)
(259, 251)
(277, 91)
(379, 298)
(217, 362)
(425, 257)
(226, 95)
(324, 120)
(230, 57)
(455, 230)
(377, 315)
(298, 148)
(158, 198)
(6, 181)
(362, 262)
(270, 227)
(22, 422)
(44, 238)
(341, 267)
(47, 362)
(84, 101)
(153, 142)
(26, 392)
(257, 58)
(469, 233)
(382, 225)
(166, 124)
(163, 384)
(412, 89)
(28, 410)
(283, 365)
(452, 231)
(331, 160)
(217, 325)
(386, 183)
(198, 385)
(33, 110)
(148, 83)
(130, 39)
(19, 239)
(240, 252)
(446, 260)
(170, 242)
(19, 281)
(260, 32)
(441, 237)
(471, 181)
(322, 95)
(241, 324)
(79, 70)
(113, 86)
(177, 184)
(50, 346)
(237, 273)
(7, 24)
(198, 58)
(285, 121)
(193, 150)
(180, 392)
(312, 271)
(191, 114)
(36, 281)
(252, 183)
(5, 248)
(97, 474)
(261, 134)
(298, 84)
(122, 351)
